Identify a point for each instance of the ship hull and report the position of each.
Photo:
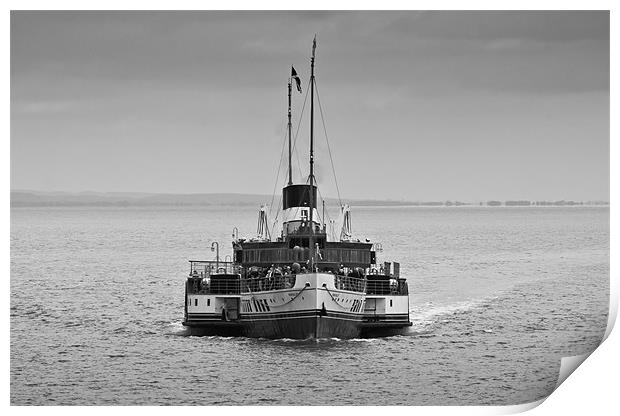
(298, 328)
(300, 325)
(304, 325)
(228, 329)
(312, 309)
(383, 329)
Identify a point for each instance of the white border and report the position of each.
(588, 391)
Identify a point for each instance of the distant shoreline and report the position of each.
(111, 199)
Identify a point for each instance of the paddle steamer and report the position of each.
(307, 282)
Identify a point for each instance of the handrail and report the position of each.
(206, 268)
(387, 287)
(266, 283)
(353, 284)
(213, 285)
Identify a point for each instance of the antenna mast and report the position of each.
(290, 170)
(312, 202)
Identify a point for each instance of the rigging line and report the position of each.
(282, 152)
(321, 219)
(326, 212)
(301, 116)
(275, 185)
(301, 175)
(327, 140)
(273, 227)
(297, 130)
(273, 194)
(321, 195)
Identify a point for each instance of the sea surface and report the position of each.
(498, 296)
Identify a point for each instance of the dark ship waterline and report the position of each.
(305, 283)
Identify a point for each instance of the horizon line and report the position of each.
(403, 201)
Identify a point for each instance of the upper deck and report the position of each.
(227, 278)
(334, 254)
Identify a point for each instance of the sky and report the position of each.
(418, 106)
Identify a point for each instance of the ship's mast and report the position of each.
(312, 202)
(290, 170)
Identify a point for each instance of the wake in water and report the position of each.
(318, 340)
(427, 316)
(174, 328)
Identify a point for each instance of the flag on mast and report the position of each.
(296, 78)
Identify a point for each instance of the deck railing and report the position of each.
(213, 286)
(387, 287)
(202, 268)
(355, 284)
(220, 277)
(260, 284)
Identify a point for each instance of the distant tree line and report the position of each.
(64, 199)
(525, 203)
